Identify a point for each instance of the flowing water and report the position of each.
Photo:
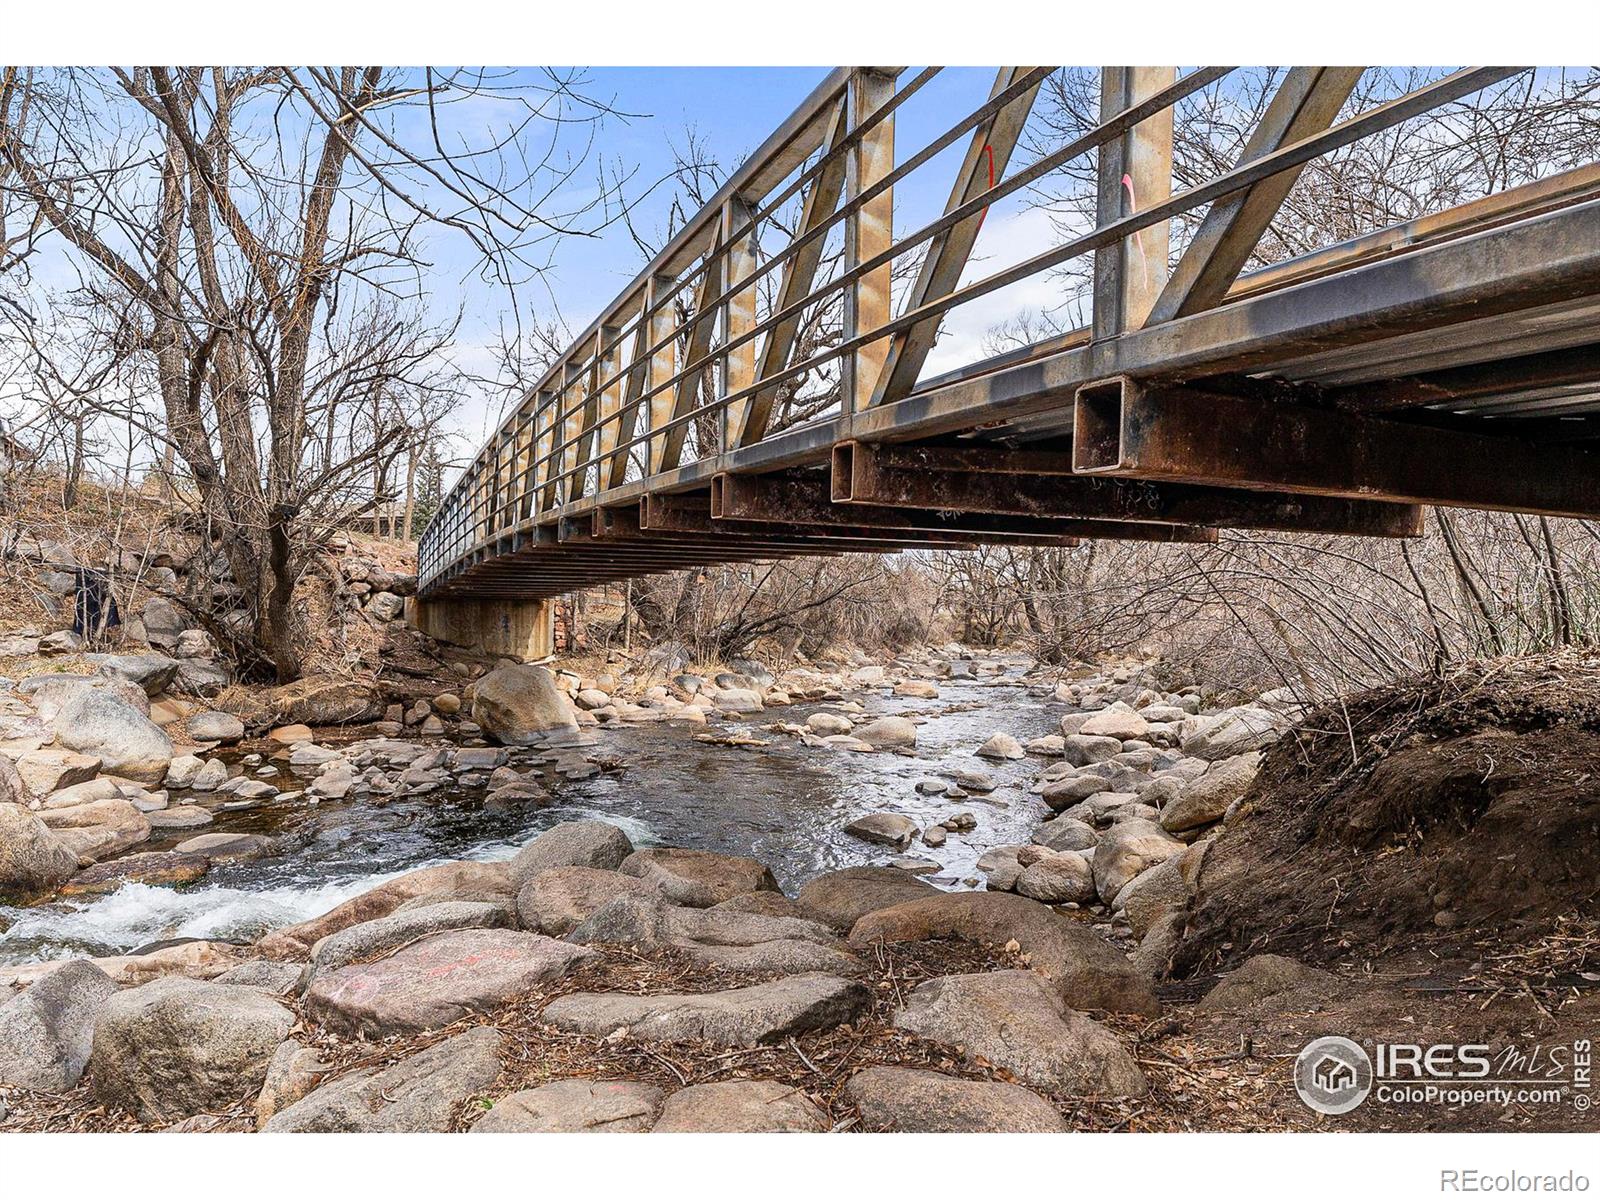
(783, 803)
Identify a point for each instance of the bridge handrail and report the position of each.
(573, 434)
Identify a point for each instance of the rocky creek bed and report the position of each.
(953, 894)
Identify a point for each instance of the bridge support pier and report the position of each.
(515, 628)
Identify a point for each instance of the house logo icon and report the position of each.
(1333, 1075)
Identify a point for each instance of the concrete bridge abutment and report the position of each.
(522, 629)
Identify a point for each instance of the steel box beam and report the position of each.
(805, 497)
(861, 478)
(691, 525)
(852, 539)
(1138, 430)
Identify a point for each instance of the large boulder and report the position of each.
(1119, 723)
(164, 622)
(1088, 971)
(325, 700)
(199, 678)
(158, 868)
(740, 1106)
(292, 1075)
(1160, 944)
(1128, 849)
(151, 672)
(1066, 833)
(521, 705)
(559, 899)
(445, 879)
(887, 733)
(764, 904)
(176, 1047)
(437, 980)
(1207, 798)
(904, 1100)
(46, 771)
(827, 724)
(1147, 898)
(46, 1032)
(99, 828)
(1083, 749)
(214, 727)
(419, 1094)
(48, 693)
(33, 859)
(571, 844)
(575, 1106)
(649, 921)
(1231, 732)
(1000, 867)
(374, 939)
(699, 878)
(841, 898)
(1062, 794)
(884, 828)
(751, 1016)
(127, 743)
(1061, 878)
(738, 700)
(721, 936)
(1001, 746)
(1016, 1021)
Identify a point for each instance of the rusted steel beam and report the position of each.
(1572, 367)
(1153, 431)
(851, 538)
(859, 478)
(720, 537)
(805, 499)
(1306, 102)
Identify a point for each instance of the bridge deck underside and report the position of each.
(1462, 373)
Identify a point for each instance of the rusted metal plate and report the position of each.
(1139, 430)
(858, 478)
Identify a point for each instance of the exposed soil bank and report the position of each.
(1422, 820)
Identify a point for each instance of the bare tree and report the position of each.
(255, 232)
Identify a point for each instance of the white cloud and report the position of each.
(1004, 242)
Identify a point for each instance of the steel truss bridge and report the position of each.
(1452, 360)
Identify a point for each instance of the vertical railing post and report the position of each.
(589, 414)
(869, 231)
(610, 430)
(527, 459)
(738, 315)
(662, 332)
(1134, 172)
(544, 470)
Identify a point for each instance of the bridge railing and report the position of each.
(723, 332)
